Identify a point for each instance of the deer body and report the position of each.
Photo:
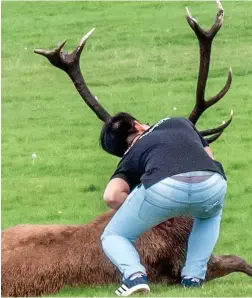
(41, 259)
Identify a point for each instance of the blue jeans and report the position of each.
(146, 208)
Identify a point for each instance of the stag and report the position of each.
(39, 260)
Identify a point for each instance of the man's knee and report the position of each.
(105, 234)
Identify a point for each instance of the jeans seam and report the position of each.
(156, 204)
(175, 186)
(189, 194)
(157, 193)
(209, 197)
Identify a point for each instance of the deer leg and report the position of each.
(222, 265)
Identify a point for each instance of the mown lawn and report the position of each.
(142, 58)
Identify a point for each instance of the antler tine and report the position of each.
(46, 53)
(193, 23)
(70, 63)
(82, 42)
(223, 91)
(205, 39)
(54, 55)
(219, 19)
(218, 129)
(213, 138)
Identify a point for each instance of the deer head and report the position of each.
(70, 63)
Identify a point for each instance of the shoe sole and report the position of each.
(136, 289)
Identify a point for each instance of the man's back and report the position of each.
(171, 146)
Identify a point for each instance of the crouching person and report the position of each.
(166, 170)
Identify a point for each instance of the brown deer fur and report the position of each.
(41, 259)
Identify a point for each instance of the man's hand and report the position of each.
(116, 193)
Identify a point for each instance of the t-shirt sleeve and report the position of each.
(121, 172)
(219, 165)
(203, 141)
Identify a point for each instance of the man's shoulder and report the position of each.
(171, 121)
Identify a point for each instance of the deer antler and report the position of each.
(205, 39)
(70, 63)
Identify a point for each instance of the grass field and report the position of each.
(142, 58)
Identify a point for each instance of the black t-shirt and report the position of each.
(171, 146)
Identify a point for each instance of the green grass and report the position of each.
(143, 58)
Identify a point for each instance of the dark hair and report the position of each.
(115, 132)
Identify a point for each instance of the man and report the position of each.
(166, 170)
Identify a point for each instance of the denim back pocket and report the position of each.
(215, 204)
(210, 210)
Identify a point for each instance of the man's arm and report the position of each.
(116, 192)
(209, 152)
